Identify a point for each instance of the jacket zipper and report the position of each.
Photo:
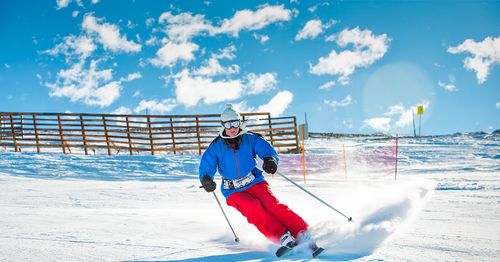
(237, 165)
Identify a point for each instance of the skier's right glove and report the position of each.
(208, 184)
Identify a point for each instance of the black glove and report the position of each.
(208, 184)
(270, 165)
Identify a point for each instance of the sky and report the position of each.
(351, 66)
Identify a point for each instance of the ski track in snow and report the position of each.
(444, 205)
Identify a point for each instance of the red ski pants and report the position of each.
(263, 210)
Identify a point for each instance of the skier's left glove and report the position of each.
(270, 165)
(208, 184)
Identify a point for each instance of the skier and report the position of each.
(233, 154)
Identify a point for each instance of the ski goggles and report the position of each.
(231, 124)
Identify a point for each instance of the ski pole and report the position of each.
(236, 239)
(317, 198)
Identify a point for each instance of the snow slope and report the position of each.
(444, 205)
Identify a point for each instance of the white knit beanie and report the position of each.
(229, 114)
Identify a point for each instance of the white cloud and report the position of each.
(313, 8)
(262, 38)
(368, 48)
(95, 2)
(278, 104)
(261, 83)
(153, 41)
(254, 20)
(184, 26)
(399, 114)
(7, 66)
(84, 80)
(130, 25)
(310, 31)
(109, 35)
(191, 90)
(105, 95)
(131, 77)
(171, 53)
(404, 115)
(243, 107)
(485, 55)
(343, 103)
(379, 123)
(497, 105)
(227, 53)
(73, 48)
(90, 86)
(62, 3)
(122, 110)
(450, 87)
(212, 67)
(149, 22)
(327, 85)
(156, 107)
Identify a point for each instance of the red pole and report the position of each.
(303, 153)
(396, 162)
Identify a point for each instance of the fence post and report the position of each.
(106, 133)
(61, 133)
(151, 136)
(172, 134)
(13, 132)
(36, 134)
(22, 124)
(303, 152)
(84, 137)
(198, 135)
(295, 130)
(270, 128)
(128, 136)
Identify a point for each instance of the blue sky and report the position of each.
(353, 66)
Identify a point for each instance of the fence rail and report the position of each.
(115, 134)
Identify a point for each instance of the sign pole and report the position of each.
(420, 111)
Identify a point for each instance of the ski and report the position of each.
(282, 251)
(317, 251)
(285, 249)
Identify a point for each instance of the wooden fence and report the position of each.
(115, 134)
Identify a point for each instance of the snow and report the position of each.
(444, 205)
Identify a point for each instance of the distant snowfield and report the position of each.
(444, 205)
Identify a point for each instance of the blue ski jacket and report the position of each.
(233, 164)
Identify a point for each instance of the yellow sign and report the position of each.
(420, 110)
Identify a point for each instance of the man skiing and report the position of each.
(233, 154)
